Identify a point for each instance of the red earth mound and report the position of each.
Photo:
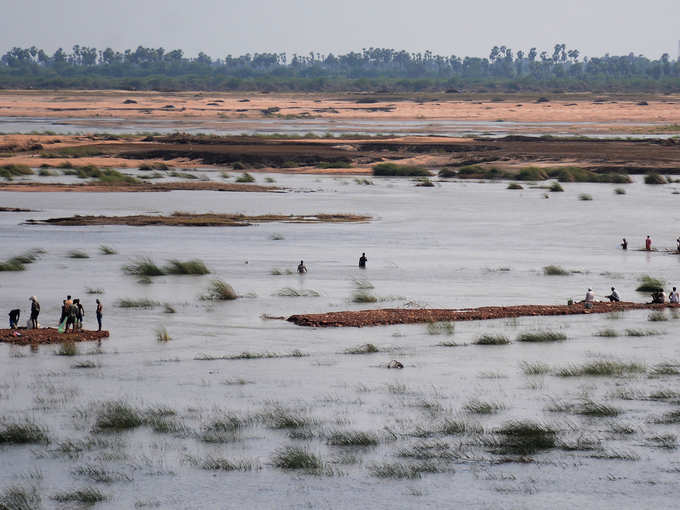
(23, 336)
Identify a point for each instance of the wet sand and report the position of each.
(385, 317)
(23, 336)
(135, 188)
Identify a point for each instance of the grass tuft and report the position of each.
(353, 438)
(476, 406)
(362, 349)
(395, 170)
(220, 291)
(361, 296)
(602, 368)
(291, 292)
(535, 368)
(87, 496)
(642, 332)
(649, 284)
(555, 271)
(657, 316)
(22, 433)
(162, 335)
(401, 471)
(542, 336)
(67, 349)
(441, 328)
(78, 254)
(492, 340)
(137, 303)
(143, 267)
(524, 437)
(190, 267)
(292, 457)
(451, 427)
(117, 415)
(20, 498)
(607, 333)
(585, 197)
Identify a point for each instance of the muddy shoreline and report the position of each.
(199, 220)
(392, 316)
(136, 188)
(23, 336)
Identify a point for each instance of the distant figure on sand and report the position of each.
(35, 311)
(658, 296)
(80, 313)
(677, 242)
(674, 297)
(614, 296)
(100, 309)
(648, 244)
(362, 260)
(590, 296)
(14, 318)
(301, 267)
(624, 244)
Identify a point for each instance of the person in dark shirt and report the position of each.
(624, 244)
(35, 311)
(301, 267)
(14, 318)
(100, 309)
(362, 260)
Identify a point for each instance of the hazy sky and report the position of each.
(221, 27)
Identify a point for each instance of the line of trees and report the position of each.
(371, 69)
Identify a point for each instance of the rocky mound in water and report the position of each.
(384, 317)
(23, 336)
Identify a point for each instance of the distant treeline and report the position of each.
(375, 69)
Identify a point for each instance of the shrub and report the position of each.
(118, 415)
(143, 267)
(395, 170)
(654, 178)
(532, 174)
(295, 458)
(9, 171)
(361, 296)
(220, 291)
(447, 173)
(514, 185)
(424, 182)
(585, 197)
(555, 271)
(542, 336)
(245, 177)
(556, 187)
(190, 267)
(107, 250)
(649, 284)
(492, 340)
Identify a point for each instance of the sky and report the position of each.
(446, 27)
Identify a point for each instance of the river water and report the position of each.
(458, 244)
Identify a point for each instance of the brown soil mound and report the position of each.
(146, 187)
(198, 220)
(23, 336)
(389, 316)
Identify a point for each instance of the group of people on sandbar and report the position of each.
(658, 296)
(648, 244)
(72, 314)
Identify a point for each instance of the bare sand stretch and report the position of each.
(116, 106)
(391, 316)
(23, 336)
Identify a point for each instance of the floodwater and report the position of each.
(459, 244)
(322, 127)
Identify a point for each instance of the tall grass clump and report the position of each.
(607, 333)
(292, 457)
(619, 191)
(649, 284)
(137, 303)
(400, 471)
(88, 496)
(353, 438)
(492, 340)
(291, 292)
(642, 332)
(362, 296)
(541, 336)
(143, 266)
(8, 172)
(362, 349)
(441, 328)
(553, 270)
(655, 178)
(537, 368)
(22, 433)
(524, 437)
(395, 170)
(18, 262)
(657, 316)
(107, 250)
(514, 185)
(190, 267)
(78, 254)
(118, 415)
(585, 197)
(476, 406)
(602, 368)
(67, 349)
(162, 335)
(245, 177)
(556, 187)
(220, 291)
(20, 498)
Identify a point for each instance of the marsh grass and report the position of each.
(143, 266)
(650, 284)
(84, 364)
(441, 328)
(655, 178)
(277, 237)
(667, 441)
(117, 415)
(492, 340)
(454, 427)
(67, 349)
(189, 267)
(363, 284)
(291, 292)
(596, 409)
(137, 303)
(211, 463)
(603, 368)
(362, 349)
(278, 272)
(541, 336)
(162, 335)
(100, 474)
(524, 438)
(91, 290)
(86, 496)
(220, 291)
(449, 343)
(556, 187)
(22, 433)
(657, 316)
(537, 368)
(668, 418)
(396, 170)
(515, 185)
(18, 262)
(619, 191)
(107, 250)
(353, 438)
(251, 355)
(585, 197)
(168, 308)
(553, 270)
(428, 450)
(476, 406)
(78, 254)
(607, 333)
(361, 296)
(402, 471)
(19, 497)
(292, 457)
(665, 368)
(279, 418)
(245, 177)
(643, 332)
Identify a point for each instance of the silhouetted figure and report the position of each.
(648, 244)
(674, 297)
(614, 296)
(624, 244)
(35, 311)
(363, 260)
(301, 267)
(80, 313)
(14, 318)
(100, 309)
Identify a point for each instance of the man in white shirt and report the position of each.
(675, 297)
(590, 296)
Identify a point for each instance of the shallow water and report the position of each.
(459, 244)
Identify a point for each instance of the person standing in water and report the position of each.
(674, 297)
(362, 261)
(624, 244)
(100, 309)
(35, 311)
(301, 267)
(648, 244)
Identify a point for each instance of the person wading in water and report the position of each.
(362, 261)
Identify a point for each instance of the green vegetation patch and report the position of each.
(395, 170)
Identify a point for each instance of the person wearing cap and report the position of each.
(674, 297)
(614, 296)
(35, 311)
(590, 297)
